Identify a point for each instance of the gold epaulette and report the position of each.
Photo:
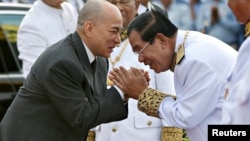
(149, 101)
(180, 53)
(247, 29)
(123, 34)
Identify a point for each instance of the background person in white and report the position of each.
(46, 22)
(138, 126)
(237, 104)
(178, 13)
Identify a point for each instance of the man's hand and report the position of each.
(132, 82)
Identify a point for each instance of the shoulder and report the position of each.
(68, 7)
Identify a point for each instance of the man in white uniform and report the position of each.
(237, 105)
(200, 63)
(47, 22)
(138, 126)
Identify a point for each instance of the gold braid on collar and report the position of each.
(247, 29)
(123, 34)
(177, 58)
(149, 101)
(173, 62)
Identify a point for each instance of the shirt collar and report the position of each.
(89, 53)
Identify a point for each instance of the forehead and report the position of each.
(113, 19)
(135, 40)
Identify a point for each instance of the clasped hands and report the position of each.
(132, 82)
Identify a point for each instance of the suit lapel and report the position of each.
(96, 80)
(83, 58)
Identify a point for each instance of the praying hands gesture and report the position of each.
(132, 82)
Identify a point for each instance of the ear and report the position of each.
(88, 27)
(162, 38)
(137, 3)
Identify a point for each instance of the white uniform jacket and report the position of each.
(41, 27)
(200, 81)
(237, 105)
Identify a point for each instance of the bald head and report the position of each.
(99, 25)
(97, 11)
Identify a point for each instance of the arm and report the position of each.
(196, 88)
(69, 90)
(193, 89)
(31, 44)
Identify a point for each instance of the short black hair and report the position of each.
(149, 23)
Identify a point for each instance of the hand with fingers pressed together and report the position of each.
(123, 78)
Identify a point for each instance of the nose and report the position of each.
(140, 58)
(118, 39)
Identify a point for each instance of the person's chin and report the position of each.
(155, 69)
(106, 55)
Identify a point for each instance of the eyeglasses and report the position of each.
(138, 53)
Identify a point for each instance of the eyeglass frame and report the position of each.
(138, 53)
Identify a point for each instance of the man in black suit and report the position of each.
(63, 96)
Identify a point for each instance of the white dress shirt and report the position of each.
(42, 27)
(237, 105)
(200, 81)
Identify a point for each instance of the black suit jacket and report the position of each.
(61, 99)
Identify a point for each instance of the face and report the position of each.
(105, 34)
(54, 3)
(240, 9)
(157, 53)
(128, 9)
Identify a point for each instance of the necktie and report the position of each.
(93, 65)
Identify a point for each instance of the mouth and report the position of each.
(148, 64)
(151, 67)
(111, 49)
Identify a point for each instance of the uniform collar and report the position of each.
(247, 29)
(179, 48)
(123, 34)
